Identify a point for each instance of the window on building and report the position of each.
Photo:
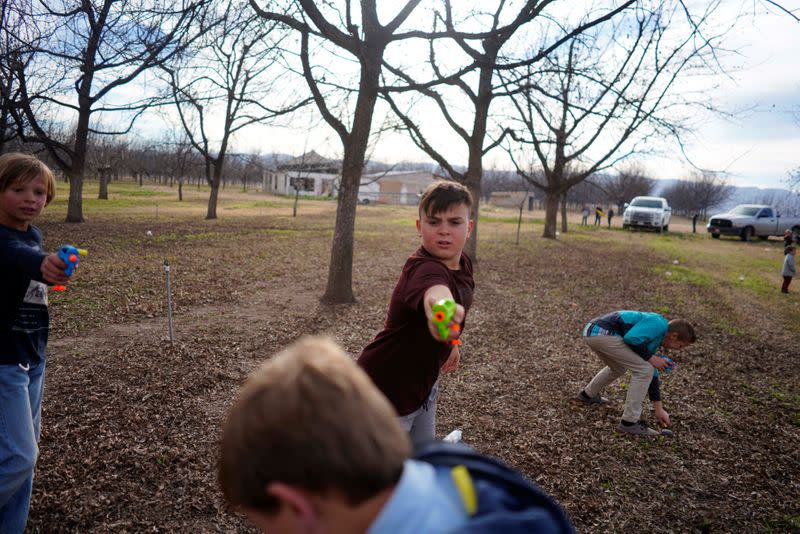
(302, 184)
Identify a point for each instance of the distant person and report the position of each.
(598, 215)
(405, 358)
(311, 445)
(585, 216)
(788, 239)
(627, 341)
(789, 268)
(694, 222)
(26, 187)
(610, 216)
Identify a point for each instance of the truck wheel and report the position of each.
(666, 228)
(714, 236)
(747, 233)
(763, 237)
(624, 226)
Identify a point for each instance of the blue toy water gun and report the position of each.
(71, 256)
(671, 364)
(443, 312)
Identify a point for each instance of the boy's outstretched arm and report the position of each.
(433, 295)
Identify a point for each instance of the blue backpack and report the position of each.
(498, 499)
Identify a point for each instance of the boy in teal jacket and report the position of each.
(628, 341)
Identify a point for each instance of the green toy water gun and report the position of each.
(443, 312)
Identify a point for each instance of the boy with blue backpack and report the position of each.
(311, 445)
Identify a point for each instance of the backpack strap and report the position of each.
(465, 487)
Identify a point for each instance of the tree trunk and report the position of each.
(214, 182)
(551, 215)
(339, 289)
(340, 271)
(180, 189)
(103, 194)
(212, 201)
(474, 186)
(564, 214)
(296, 198)
(75, 203)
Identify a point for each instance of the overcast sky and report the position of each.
(757, 146)
(761, 143)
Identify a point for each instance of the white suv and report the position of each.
(647, 212)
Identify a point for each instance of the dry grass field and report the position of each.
(131, 421)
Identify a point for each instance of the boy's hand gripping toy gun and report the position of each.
(443, 312)
(671, 364)
(71, 256)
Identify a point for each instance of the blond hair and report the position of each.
(311, 418)
(19, 168)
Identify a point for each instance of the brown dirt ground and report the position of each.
(131, 421)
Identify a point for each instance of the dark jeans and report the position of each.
(786, 281)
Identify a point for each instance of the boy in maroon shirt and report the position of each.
(405, 358)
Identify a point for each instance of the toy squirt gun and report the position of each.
(443, 312)
(671, 364)
(71, 256)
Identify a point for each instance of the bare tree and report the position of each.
(230, 69)
(106, 155)
(794, 175)
(331, 29)
(629, 182)
(181, 157)
(702, 192)
(477, 82)
(607, 94)
(9, 56)
(74, 76)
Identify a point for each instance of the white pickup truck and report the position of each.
(751, 220)
(647, 212)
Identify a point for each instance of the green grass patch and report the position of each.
(509, 220)
(754, 283)
(172, 236)
(663, 309)
(279, 231)
(129, 191)
(256, 204)
(683, 275)
(402, 222)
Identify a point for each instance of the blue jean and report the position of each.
(20, 422)
(421, 423)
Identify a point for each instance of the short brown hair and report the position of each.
(789, 248)
(311, 418)
(684, 329)
(16, 167)
(441, 195)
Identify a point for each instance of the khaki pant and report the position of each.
(619, 358)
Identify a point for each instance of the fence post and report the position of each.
(169, 299)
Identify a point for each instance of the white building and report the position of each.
(312, 174)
